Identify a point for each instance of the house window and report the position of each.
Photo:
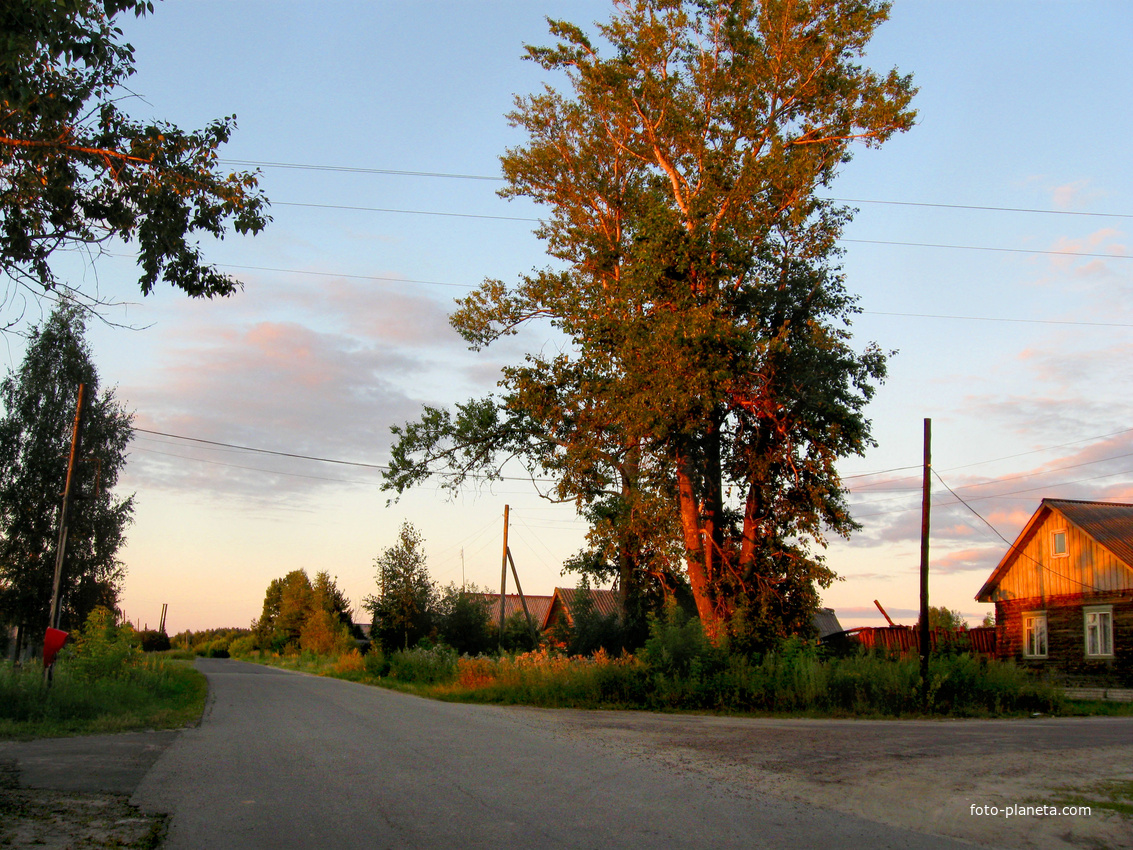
(1058, 544)
(1099, 632)
(1034, 634)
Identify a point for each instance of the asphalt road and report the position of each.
(286, 760)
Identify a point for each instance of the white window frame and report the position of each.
(1054, 553)
(1097, 622)
(1035, 640)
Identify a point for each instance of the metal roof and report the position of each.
(1109, 523)
(825, 622)
(606, 602)
(537, 606)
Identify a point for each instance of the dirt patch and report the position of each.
(66, 820)
(958, 779)
(58, 820)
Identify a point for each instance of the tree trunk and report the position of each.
(695, 561)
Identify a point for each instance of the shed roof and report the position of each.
(825, 622)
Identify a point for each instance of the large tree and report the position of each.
(39, 402)
(696, 278)
(76, 170)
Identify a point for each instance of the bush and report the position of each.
(375, 662)
(102, 648)
(423, 666)
(154, 641)
(242, 646)
(675, 642)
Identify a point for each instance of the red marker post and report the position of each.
(52, 642)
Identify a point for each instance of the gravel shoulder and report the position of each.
(921, 775)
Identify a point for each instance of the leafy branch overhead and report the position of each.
(78, 171)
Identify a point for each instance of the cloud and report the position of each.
(1075, 195)
(968, 560)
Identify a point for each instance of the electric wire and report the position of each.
(498, 179)
(1011, 546)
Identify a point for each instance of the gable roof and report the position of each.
(537, 606)
(1110, 524)
(606, 603)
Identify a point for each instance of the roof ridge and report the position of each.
(1089, 502)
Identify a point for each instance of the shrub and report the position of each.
(675, 641)
(375, 662)
(349, 665)
(242, 646)
(102, 648)
(423, 666)
(154, 641)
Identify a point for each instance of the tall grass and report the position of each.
(101, 682)
(794, 680)
(154, 694)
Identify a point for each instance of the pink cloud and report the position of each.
(1074, 196)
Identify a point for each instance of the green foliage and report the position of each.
(423, 666)
(516, 637)
(39, 402)
(154, 641)
(157, 694)
(405, 607)
(462, 621)
(676, 641)
(709, 386)
(298, 614)
(591, 631)
(242, 646)
(942, 617)
(78, 171)
(376, 663)
(103, 648)
(679, 668)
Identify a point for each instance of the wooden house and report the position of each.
(1063, 593)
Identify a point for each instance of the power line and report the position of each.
(403, 212)
(995, 319)
(498, 179)
(1010, 545)
(354, 170)
(265, 451)
(1089, 254)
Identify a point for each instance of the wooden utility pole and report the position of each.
(503, 576)
(61, 546)
(522, 599)
(926, 497)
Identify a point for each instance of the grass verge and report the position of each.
(792, 682)
(151, 694)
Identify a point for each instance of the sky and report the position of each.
(989, 252)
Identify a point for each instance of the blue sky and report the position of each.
(341, 329)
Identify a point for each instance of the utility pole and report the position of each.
(503, 576)
(61, 546)
(926, 497)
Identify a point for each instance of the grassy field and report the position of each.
(146, 693)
